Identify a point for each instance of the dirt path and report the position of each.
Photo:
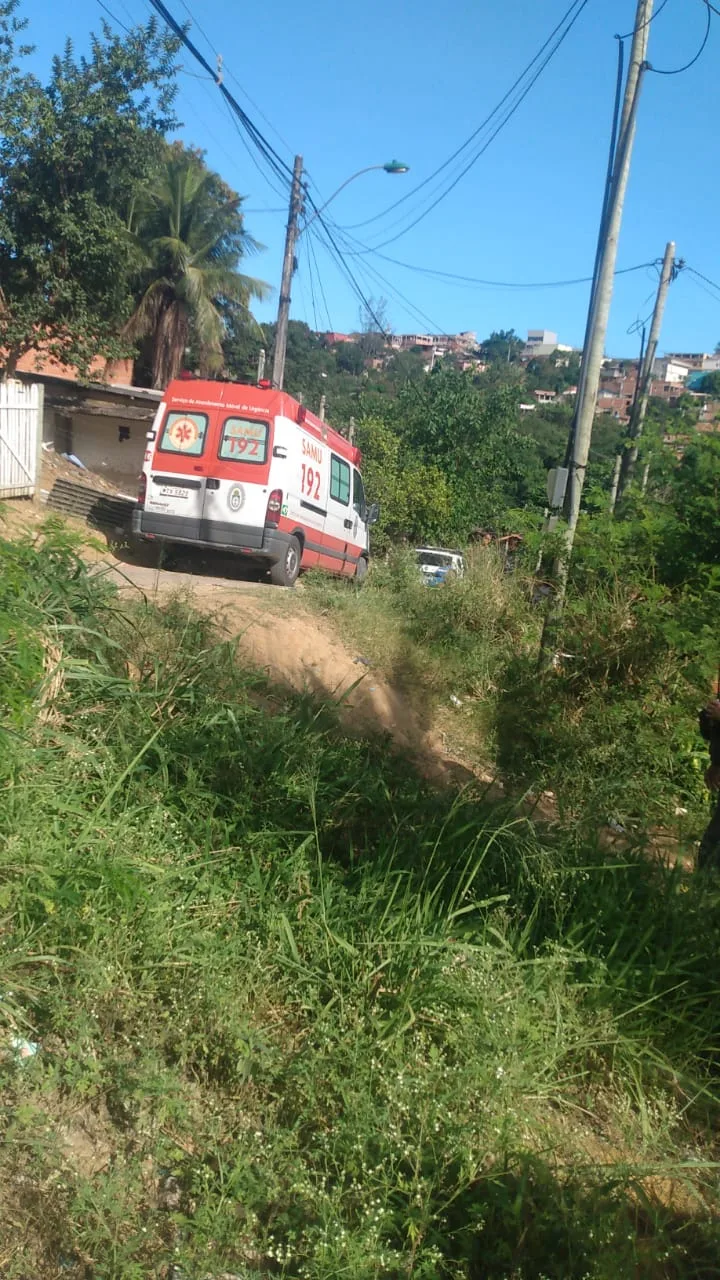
(280, 636)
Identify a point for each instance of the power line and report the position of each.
(312, 287)
(505, 284)
(344, 266)
(645, 24)
(473, 160)
(261, 144)
(111, 15)
(203, 33)
(224, 70)
(486, 122)
(311, 252)
(700, 276)
(678, 71)
(253, 158)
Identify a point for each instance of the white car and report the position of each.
(437, 563)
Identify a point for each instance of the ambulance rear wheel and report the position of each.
(285, 572)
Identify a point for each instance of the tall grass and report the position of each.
(300, 1014)
(453, 639)
(613, 733)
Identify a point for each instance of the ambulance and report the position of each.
(248, 469)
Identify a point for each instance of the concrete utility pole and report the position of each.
(291, 235)
(615, 481)
(323, 402)
(261, 364)
(600, 308)
(637, 417)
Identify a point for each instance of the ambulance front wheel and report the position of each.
(361, 569)
(285, 572)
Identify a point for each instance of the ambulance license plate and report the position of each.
(170, 491)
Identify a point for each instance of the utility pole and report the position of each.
(615, 481)
(323, 402)
(637, 417)
(291, 235)
(261, 364)
(619, 455)
(601, 297)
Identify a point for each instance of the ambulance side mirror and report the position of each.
(373, 513)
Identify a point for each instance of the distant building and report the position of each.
(696, 360)
(671, 369)
(541, 338)
(335, 339)
(441, 343)
(542, 343)
(545, 397)
(616, 394)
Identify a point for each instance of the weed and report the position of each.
(313, 1017)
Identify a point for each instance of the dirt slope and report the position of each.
(296, 648)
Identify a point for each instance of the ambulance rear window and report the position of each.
(244, 440)
(184, 433)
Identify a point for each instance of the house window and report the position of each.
(339, 480)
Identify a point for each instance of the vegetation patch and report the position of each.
(273, 1006)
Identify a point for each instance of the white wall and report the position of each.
(96, 442)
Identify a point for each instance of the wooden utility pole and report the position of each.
(637, 417)
(601, 297)
(291, 235)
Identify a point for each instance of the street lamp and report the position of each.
(291, 237)
(390, 166)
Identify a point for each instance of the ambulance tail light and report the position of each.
(274, 508)
(142, 489)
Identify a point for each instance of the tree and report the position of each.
(374, 326)
(710, 384)
(190, 234)
(502, 345)
(473, 437)
(72, 154)
(414, 497)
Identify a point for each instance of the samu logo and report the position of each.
(236, 497)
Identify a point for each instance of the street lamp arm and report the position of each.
(393, 166)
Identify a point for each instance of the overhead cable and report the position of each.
(678, 71)
(482, 126)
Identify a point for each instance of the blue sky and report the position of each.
(349, 86)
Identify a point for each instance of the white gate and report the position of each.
(21, 412)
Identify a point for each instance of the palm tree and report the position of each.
(189, 232)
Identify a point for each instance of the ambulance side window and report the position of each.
(359, 502)
(184, 433)
(339, 480)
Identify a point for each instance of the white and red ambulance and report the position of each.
(248, 469)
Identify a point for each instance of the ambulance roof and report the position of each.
(202, 393)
